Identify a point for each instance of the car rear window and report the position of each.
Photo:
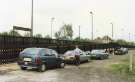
(32, 51)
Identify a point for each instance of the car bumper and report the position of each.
(69, 60)
(28, 65)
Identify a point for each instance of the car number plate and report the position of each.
(27, 59)
(26, 63)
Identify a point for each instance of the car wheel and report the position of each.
(23, 68)
(87, 60)
(107, 57)
(62, 65)
(102, 57)
(42, 68)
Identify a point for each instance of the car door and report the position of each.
(82, 57)
(48, 57)
(85, 57)
(45, 56)
(54, 56)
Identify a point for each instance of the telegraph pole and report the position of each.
(112, 30)
(91, 25)
(31, 18)
(52, 25)
(79, 32)
(129, 36)
(112, 35)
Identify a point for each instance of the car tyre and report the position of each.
(42, 68)
(87, 60)
(102, 57)
(62, 65)
(23, 68)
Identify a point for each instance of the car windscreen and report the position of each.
(32, 51)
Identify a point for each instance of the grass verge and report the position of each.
(122, 68)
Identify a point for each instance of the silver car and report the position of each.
(99, 54)
(69, 56)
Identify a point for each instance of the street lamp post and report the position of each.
(31, 18)
(52, 19)
(129, 36)
(91, 25)
(112, 30)
(112, 35)
(79, 32)
(122, 34)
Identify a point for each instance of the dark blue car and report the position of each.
(39, 58)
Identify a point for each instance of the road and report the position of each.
(93, 71)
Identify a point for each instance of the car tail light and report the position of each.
(37, 60)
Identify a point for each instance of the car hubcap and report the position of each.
(62, 64)
(43, 68)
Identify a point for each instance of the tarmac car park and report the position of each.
(95, 71)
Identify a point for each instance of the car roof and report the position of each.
(38, 48)
(98, 49)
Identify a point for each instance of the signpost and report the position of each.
(21, 28)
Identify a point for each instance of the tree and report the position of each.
(77, 39)
(4, 33)
(98, 39)
(68, 31)
(58, 35)
(27, 34)
(122, 42)
(47, 36)
(38, 35)
(82, 39)
(11, 33)
(65, 32)
(14, 33)
(107, 38)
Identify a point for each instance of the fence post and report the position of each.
(130, 62)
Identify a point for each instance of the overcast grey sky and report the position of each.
(75, 12)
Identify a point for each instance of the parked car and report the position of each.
(69, 56)
(121, 51)
(125, 50)
(84, 57)
(39, 58)
(99, 54)
(88, 54)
